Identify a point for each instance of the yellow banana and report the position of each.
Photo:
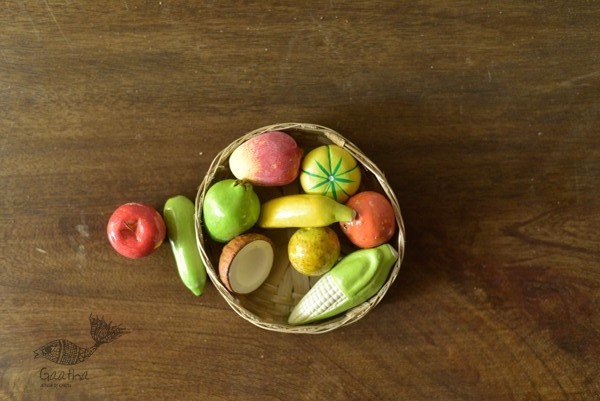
(303, 210)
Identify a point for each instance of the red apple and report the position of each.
(135, 230)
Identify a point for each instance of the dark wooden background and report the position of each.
(483, 114)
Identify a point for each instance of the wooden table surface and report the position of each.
(483, 115)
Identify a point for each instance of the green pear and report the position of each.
(230, 208)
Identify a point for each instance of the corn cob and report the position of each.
(355, 279)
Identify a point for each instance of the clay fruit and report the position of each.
(135, 230)
(245, 262)
(353, 280)
(179, 213)
(313, 251)
(331, 171)
(269, 159)
(303, 210)
(230, 207)
(374, 223)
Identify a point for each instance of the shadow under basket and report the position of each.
(269, 306)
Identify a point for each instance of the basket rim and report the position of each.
(345, 318)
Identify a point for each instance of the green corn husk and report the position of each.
(353, 280)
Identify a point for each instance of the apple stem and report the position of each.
(130, 225)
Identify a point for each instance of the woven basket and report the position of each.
(270, 305)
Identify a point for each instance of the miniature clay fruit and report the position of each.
(245, 262)
(332, 171)
(135, 230)
(230, 207)
(303, 210)
(352, 281)
(269, 159)
(374, 223)
(178, 213)
(314, 250)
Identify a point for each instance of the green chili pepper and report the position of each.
(353, 280)
(179, 219)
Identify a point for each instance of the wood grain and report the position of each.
(484, 116)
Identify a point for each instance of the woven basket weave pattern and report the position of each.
(270, 305)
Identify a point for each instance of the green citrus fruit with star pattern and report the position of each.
(332, 171)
